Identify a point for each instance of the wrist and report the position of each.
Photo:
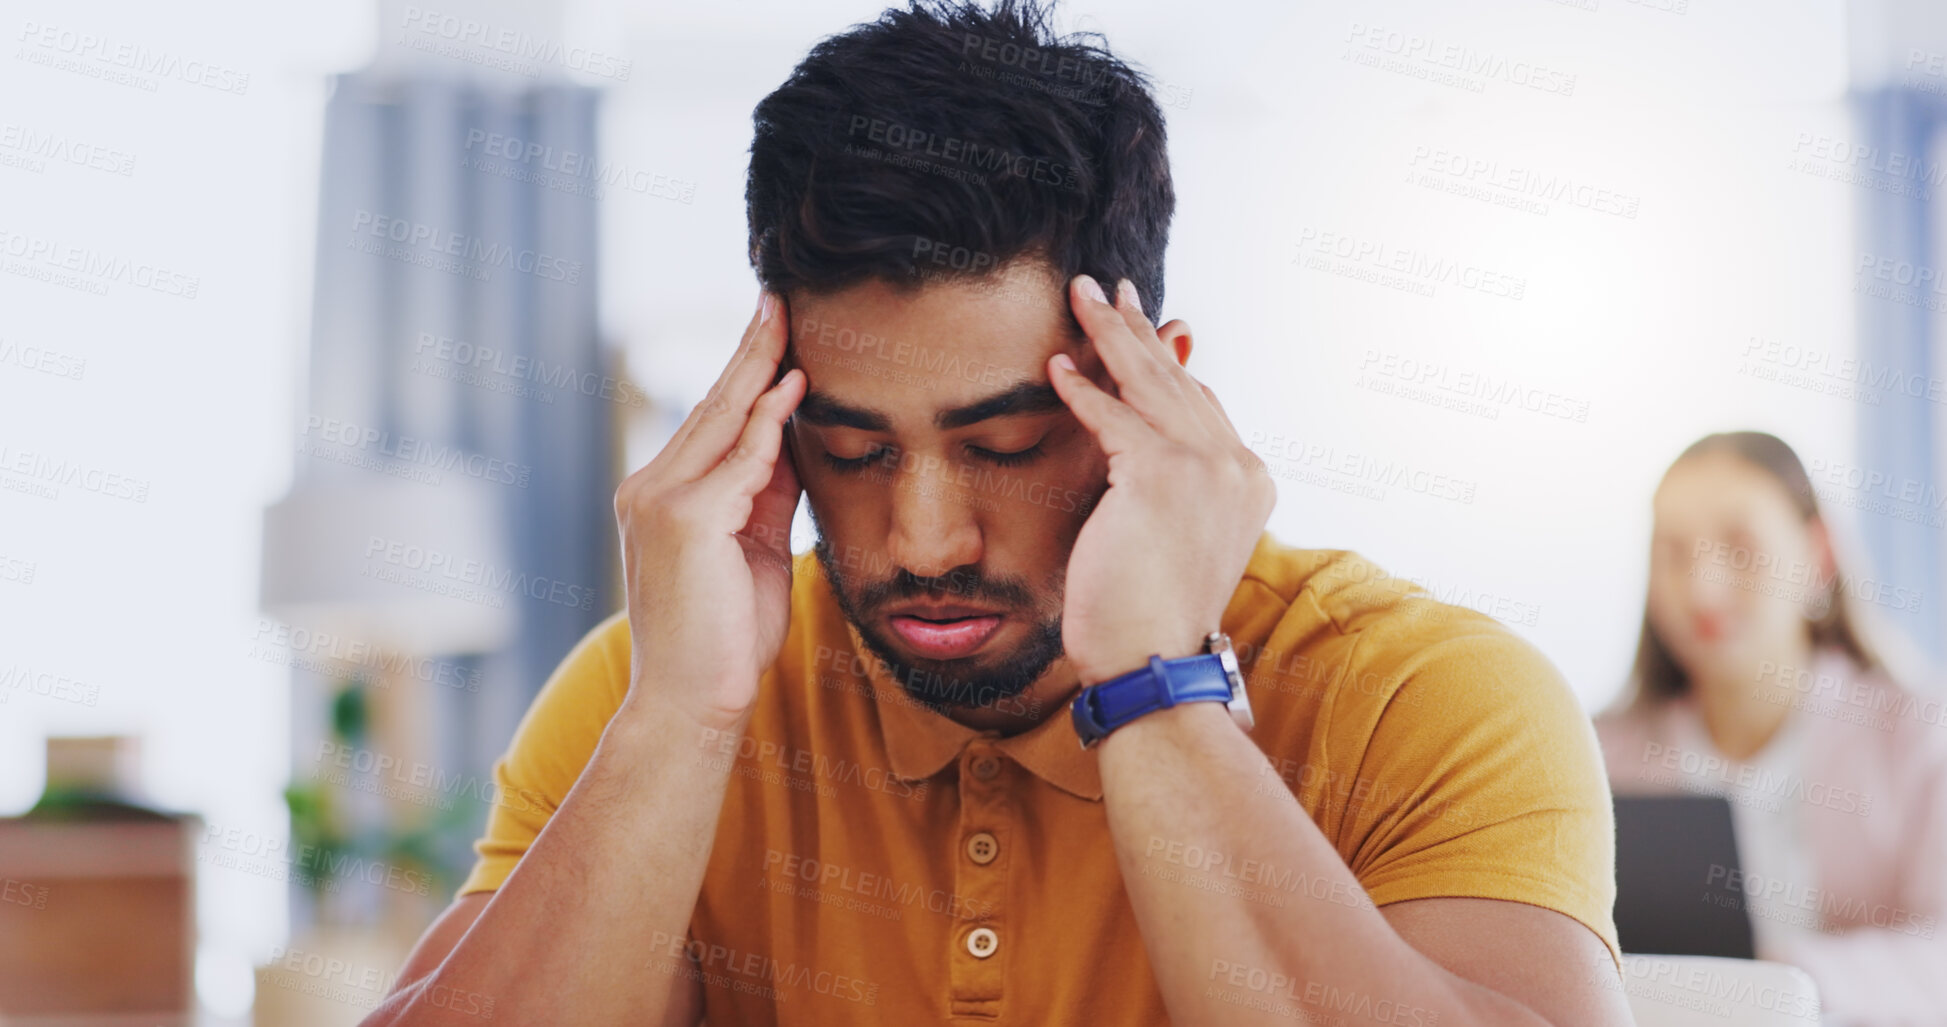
(1118, 658)
(1190, 725)
(645, 706)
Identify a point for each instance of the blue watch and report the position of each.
(1210, 677)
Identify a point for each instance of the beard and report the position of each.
(963, 683)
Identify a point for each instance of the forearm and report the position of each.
(1244, 903)
(590, 926)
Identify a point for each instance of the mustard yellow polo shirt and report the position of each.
(877, 862)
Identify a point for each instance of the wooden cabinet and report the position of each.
(98, 922)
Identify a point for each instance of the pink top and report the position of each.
(1841, 823)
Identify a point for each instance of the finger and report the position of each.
(1149, 379)
(775, 505)
(1116, 427)
(721, 418)
(1218, 406)
(736, 360)
(749, 465)
(1138, 370)
(1128, 302)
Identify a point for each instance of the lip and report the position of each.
(967, 628)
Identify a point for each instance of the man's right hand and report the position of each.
(706, 538)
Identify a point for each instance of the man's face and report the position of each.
(947, 479)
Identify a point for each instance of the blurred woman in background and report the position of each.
(1753, 681)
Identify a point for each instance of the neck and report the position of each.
(1743, 711)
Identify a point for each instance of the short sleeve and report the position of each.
(1482, 778)
(552, 745)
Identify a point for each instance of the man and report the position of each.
(851, 787)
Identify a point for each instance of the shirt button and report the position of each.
(982, 941)
(985, 767)
(983, 847)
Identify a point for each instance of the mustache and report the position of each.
(961, 582)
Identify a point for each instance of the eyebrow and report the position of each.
(1028, 397)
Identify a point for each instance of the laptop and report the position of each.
(1678, 880)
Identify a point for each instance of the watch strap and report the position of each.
(1158, 685)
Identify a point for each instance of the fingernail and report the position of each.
(1063, 361)
(1125, 292)
(1092, 290)
(769, 306)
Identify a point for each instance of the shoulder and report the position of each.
(1375, 634)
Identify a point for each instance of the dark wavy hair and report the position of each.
(952, 125)
(1656, 678)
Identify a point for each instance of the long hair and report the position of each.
(1655, 678)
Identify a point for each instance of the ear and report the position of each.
(1176, 335)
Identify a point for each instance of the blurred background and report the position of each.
(325, 335)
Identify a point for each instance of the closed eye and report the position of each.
(1019, 456)
(845, 465)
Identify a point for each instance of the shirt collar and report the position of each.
(920, 742)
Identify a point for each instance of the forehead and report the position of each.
(1721, 488)
(949, 342)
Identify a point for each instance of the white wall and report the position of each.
(1688, 118)
(1695, 115)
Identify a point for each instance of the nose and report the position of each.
(933, 525)
(1710, 593)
